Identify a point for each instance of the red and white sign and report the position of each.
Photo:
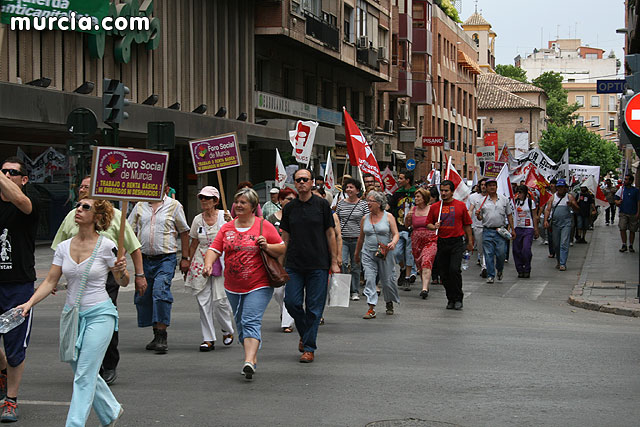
(632, 114)
(302, 140)
(390, 183)
(491, 140)
(486, 154)
(329, 178)
(360, 153)
(432, 141)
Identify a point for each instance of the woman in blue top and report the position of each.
(93, 256)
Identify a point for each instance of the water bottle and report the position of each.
(10, 319)
(465, 260)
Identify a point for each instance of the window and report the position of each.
(612, 124)
(355, 105)
(580, 100)
(262, 75)
(361, 19)
(460, 138)
(480, 132)
(420, 125)
(595, 101)
(312, 6)
(419, 15)
(612, 103)
(445, 94)
(327, 94)
(428, 17)
(595, 121)
(310, 89)
(446, 130)
(288, 82)
(342, 98)
(372, 31)
(580, 121)
(383, 39)
(348, 24)
(591, 56)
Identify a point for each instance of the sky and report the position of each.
(521, 24)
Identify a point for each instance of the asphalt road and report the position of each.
(517, 354)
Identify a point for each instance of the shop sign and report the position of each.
(128, 174)
(291, 107)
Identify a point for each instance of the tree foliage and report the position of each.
(585, 147)
(512, 72)
(449, 9)
(558, 109)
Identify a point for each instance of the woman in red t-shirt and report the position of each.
(245, 278)
(424, 242)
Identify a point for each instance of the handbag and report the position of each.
(278, 276)
(383, 249)
(69, 318)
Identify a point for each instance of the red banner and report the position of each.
(491, 140)
(360, 153)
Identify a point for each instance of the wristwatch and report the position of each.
(186, 258)
(139, 275)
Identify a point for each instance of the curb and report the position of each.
(577, 300)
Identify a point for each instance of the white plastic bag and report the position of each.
(339, 288)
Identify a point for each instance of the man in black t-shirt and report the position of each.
(18, 226)
(587, 205)
(308, 231)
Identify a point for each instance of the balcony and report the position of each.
(323, 31)
(405, 85)
(422, 92)
(422, 41)
(405, 24)
(368, 56)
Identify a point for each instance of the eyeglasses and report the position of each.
(12, 172)
(302, 179)
(85, 206)
(202, 197)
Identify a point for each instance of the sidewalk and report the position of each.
(609, 279)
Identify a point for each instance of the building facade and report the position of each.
(598, 111)
(453, 113)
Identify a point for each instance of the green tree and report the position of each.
(512, 72)
(558, 109)
(585, 147)
(449, 9)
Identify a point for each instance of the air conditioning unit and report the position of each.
(382, 53)
(388, 126)
(453, 112)
(363, 42)
(403, 112)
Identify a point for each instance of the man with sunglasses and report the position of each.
(69, 229)
(18, 228)
(308, 231)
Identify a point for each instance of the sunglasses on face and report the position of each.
(302, 179)
(12, 172)
(85, 206)
(201, 197)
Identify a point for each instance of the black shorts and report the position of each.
(16, 340)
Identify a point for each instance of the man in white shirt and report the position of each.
(493, 213)
(475, 201)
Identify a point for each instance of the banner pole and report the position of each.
(123, 223)
(222, 196)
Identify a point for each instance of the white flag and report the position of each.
(329, 178)
(563, 169)
(281, 172)
(302, 138)
(461, 190)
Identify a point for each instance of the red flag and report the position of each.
(504, 154)
(360, 153)
(536, 180)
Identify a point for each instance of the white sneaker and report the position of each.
(490, 280)
(546, 242)
(355, 297)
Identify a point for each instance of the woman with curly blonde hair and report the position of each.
(86, 260)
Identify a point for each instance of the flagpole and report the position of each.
(446, 176)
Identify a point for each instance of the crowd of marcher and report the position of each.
(358, 231)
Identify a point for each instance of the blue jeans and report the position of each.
(89, 389)
(403, 254)
(155, 305)
(561, 238)
(494, 248)
(309, 288)
(248, 310)
(348, 258)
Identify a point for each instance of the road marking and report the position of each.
(526, 289)
(44, 402)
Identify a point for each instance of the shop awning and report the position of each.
(399, 154)
(468, 63)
